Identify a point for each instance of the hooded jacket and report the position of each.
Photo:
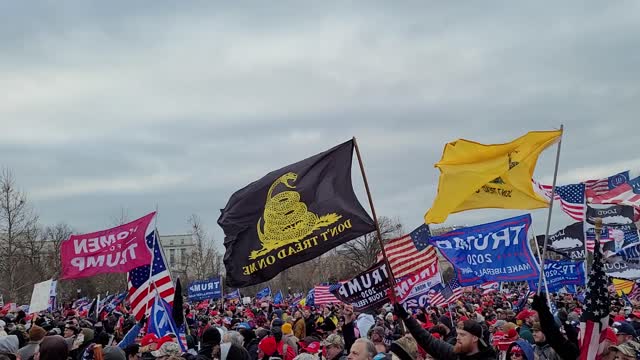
(527, 349)
(9, 344)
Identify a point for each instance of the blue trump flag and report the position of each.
(497, 251)
(205, 289)
(561, 273)
(277, 299)
(311, 298)
(233, 295)
(264, 293)
(160, 320)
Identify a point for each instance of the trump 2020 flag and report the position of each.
(264, 293)
(277, 299)
(290, 216)
(497, 251)
(116, 250)
(161, 320)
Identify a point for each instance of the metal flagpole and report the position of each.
(153, 253)
(553, 195)
(392, 279)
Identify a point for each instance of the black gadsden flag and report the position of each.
(290, 216)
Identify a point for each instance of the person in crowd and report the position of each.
(210, 339)
(299, 325)
(171, 348)
(334, 347)
(132, 351)
(629, 350)
(527, 317)
(470, 342)
(9, 346)
(565, 346)
(520, 350)
(231, 351)
(113, 353)
(404, 348)
(250, 341)
(289, 338)
(271, 348)
(52, 348)
(36, 334)
(624, 332)
(362, 349)
(542, 349)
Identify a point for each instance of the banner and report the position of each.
(616, 267)
(40, 297)
(417, 283)
(422, 299)
(116, 250)
(568, 241)
(611, 215)
(367, 291)
(497, 251)
(205, 289)
(561, 273)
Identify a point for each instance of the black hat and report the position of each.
(474, 328)
(211, 336)
(624, 328)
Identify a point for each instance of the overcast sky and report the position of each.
(116, 105)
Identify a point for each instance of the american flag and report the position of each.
(572, 198)
(141, 289)
(625, 194)
(452, 292)
(595, 318)
(490, 287)
(406, 259)
(601, 186)
(323, 294)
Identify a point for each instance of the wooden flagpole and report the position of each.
(553, 195)
(392, 279)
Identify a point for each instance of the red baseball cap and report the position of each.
(148, 339)
(313, 348)
(164, 339)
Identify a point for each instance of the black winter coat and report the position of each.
(440, 349)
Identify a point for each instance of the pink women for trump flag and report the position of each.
(116, 250)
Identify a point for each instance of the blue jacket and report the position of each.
(526, 348)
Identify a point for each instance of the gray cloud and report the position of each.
(109, 105)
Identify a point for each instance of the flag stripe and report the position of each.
(323, 295)
(144, 293)
(405, 258)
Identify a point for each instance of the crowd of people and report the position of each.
(501, 325)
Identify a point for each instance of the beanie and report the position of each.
(211, 336)
(268, 345)
(287, 329)
(36, 333)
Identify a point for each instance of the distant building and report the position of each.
(177, 251)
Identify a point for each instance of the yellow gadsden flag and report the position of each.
(475, 176)
(623, 286)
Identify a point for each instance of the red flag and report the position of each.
(115, 250)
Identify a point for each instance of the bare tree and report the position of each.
(363, 251)
(17, 224)
(53, 236)
(205, 261)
